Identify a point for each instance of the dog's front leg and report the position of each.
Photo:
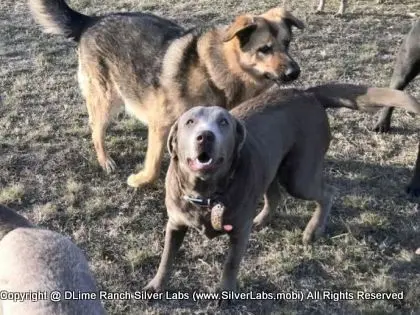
(155, 148)
(342, 8)
(320, 6)
(173, 240)
(238, 244)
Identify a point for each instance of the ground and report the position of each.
(49, 173)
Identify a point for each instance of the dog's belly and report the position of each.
(137, 110)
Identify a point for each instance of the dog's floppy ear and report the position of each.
(172, 140)
(240, 135)
(242, 27)
(276, 15)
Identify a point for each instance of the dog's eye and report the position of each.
(266, 49)
(189, 122)
(223, 122)
(286, 43)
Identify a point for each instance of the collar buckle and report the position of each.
(202, 202)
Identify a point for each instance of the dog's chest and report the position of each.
(198, 218)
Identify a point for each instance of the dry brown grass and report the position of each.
(49, 173)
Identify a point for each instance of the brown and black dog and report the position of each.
(223, 162)
(158, 69)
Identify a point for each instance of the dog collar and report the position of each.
(216, 209)
(202, 202)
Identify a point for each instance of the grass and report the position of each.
(49, 173)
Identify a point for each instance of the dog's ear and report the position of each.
(172, 140)
(242, 27)
(240, 135)
(277, 15)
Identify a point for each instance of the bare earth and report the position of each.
(49, 173)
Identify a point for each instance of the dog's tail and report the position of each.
(58, 18)
(10, 220)
(363, 98)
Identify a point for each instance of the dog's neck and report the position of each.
(194, 187)
(222, 64)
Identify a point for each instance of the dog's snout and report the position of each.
(205, 136)
(292, 71)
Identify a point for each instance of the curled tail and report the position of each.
(364, 98)
(10, 220)
(58, 18)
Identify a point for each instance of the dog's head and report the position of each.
(260, 45)
(204, 141)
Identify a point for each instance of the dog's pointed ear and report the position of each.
(277, 15)
(241, 134)
(242, 27)
(172, 140)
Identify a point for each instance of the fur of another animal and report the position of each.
(42, 261)
(278, 138)
(407, 67)
(158, 69)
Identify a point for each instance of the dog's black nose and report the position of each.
(205, 136)
(292, 72)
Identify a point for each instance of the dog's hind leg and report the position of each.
(407, 67)
(400, 79)
(303, 179)
(316, 226)
(271, 201)
(99, 102)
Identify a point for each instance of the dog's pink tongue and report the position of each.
(228, 227)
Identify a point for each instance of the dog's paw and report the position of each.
(413, 190)
(108, 165)
(312, 232)
(132, 181)
(140, 179)
(260, 221)
(154, 286)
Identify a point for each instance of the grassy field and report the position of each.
(49, 173)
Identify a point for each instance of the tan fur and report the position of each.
(42, 17)
(276, 15)
(241, 23)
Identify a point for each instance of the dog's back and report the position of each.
(36, 262)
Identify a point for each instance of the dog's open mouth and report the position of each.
(204, 162)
